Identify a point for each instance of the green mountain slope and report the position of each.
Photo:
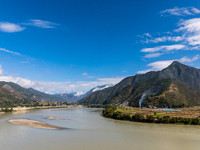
(164, 92)
(67, 97)
(12, 94)
(11, 97)
(131, 88)
(99, 97)
(186, 74)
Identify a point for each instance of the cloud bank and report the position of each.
(187, 31)
(50, 87)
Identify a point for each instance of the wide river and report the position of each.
(90, 131)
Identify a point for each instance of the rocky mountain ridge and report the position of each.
(132, 88)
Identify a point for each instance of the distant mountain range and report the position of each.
(11, 93)
(72, 98)
(175, 86)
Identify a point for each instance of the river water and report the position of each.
(90, 131)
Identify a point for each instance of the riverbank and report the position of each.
(33, 124)
(24, 109)
(184, 116)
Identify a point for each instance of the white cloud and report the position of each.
(195, 10)
(87, 76)
(164, 48)
(186, 59)
(183, 11)
(190, 25)
(147, 34)
(1, 71)
(8, 51)
(22, 82)
(70, 87)
(190, 38)
(159, 65)
(164, 39)
(41, 23)
(59, 87)
(191, 28)
(10, 27)
(152, 55)
(79, 93)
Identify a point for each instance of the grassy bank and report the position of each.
(133, 114)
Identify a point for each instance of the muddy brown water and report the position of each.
(90, 131)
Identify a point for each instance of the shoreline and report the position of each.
(33, 124)
(25, 109)
(148, 116)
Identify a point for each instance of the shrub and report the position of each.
(195, 121)
(126, 117)
(166, 119)
(138, 117)
(117, 115)
(150, 118)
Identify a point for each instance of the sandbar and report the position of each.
(34, 124)
(55, 118)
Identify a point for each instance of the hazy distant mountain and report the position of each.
(67, 97)
(98, 88)
(13, 93)
(177, 84)
(99, 97)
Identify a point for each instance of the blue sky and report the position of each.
(63, 46)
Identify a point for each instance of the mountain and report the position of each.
(67, 97)
(175, 85)
(165, 92)
(11, 94)
(99, 97)
(186, 74)
(97, 88)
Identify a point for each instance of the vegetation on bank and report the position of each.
(39, 105)
(112, 112)
(94, 106)
(6, 109)
(28, 103)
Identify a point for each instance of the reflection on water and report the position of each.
(89, 130)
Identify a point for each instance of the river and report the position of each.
(88, 130)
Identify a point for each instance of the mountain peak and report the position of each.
(175, 63)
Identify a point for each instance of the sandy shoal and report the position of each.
(33, 124)
(55, 118)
